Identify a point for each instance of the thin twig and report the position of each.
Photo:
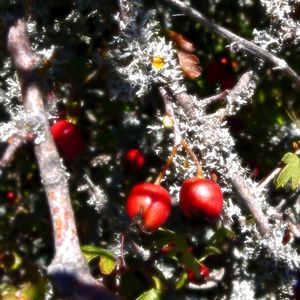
(237, 41)
(265, 182)
(168, 99)
(68, 266)
(251, 203)
(8, 156)
(269, 178)
(207, 101)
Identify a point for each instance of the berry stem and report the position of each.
(167, 165)
(194, 158)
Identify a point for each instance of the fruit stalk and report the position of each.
(167, 165)
(194, 158)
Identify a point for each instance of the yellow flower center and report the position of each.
(158, 62)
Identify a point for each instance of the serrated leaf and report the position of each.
(291, 171)
(106, 264)
(150, 295)
(91, 252)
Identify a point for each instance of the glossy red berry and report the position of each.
(11, 196)
(150, 205)
(68, 139)
(200, 195)
(203, 271)
(134, 160)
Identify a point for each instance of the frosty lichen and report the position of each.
(143, 57)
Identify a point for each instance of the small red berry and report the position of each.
(200, 195)
(168, 248)
(68, 139)
(134, 160)
(224, 60)
(203, 271)
(11, 196)
(151, 202)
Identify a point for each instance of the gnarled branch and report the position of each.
(68, 270)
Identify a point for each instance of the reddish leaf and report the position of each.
(180, 41)
(189, 64)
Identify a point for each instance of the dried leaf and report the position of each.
(181, 41)
(189, 64)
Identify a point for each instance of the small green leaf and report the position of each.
(180, 283)
(157, 283)
(291, 171)
(211, 250)
(150, 295)
(91, 252)
(294, 118)
(17, 261)
(218, 237)
(107, 264)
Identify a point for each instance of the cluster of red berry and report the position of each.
(149, 204)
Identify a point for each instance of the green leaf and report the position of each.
(157, 283)
(180, 283)
(32, 291)
(294, 118)
(211, 250)
(291, 171)
(91, 252)
(218, 237)
(150, 295)
(107, 264)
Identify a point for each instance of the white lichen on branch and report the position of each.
(141, 55)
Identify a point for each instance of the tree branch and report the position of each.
(238, 42)
(186, 102)
(68, 270)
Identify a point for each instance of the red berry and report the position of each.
(203, 271)
(10, 195)
(167, 248)
(134, 160)
(200, 195)
(150, 202)
(224, 60)
(68, 139)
